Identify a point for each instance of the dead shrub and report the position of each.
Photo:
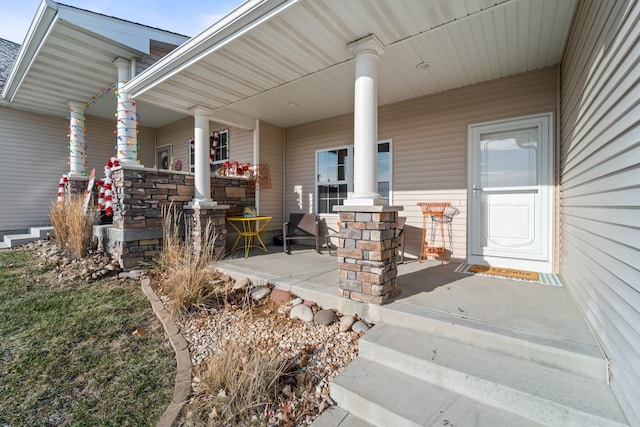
(189, 273)
(72, 227)
(238, 383)
(57, 215)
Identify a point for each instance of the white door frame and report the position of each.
(542, 261)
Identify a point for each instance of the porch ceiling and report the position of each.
(68, 55)
(292, 67)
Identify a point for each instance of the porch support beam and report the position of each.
(77, 143)
(202, 168)
(127, 119)
(365, 123)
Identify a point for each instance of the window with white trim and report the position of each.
(218, 150)
(334, 175)
(385, 165)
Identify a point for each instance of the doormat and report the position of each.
(510, 273)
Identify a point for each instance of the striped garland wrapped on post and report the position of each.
(100, 184)
(62, 187)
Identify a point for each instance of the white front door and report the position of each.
(510, 193)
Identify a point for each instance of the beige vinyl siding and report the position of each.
(177, 134)
(272, 154)
(600, 183)
(102, 143)
(240, 143)
(39, 156)
(429, 146)
(35, 155)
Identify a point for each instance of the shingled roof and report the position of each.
(8, 53)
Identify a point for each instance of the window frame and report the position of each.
(390, 142)
(213, 164)
(349, 176)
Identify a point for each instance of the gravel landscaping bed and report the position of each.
(314, 352)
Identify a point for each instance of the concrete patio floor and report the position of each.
(536, 313)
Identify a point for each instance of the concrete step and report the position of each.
(41, 232)
(547, 395)
(581, 358)
(384, 396)
(19, 239)
(338, 417)
(3, 245)
(35, 233)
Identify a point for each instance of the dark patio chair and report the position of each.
(300, 227)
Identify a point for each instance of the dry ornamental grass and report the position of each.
(73, 227)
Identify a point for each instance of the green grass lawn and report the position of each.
(68, 355)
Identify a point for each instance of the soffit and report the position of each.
(72, 60)
(295, 68)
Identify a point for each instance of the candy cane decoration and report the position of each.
(61, 187)
(105, 197)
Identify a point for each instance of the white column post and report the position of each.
(202, 167)
(77, 142)
(127, 119)
(365, 123)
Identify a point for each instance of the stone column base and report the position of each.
(206, 221)
(78, 185)
(367, 253)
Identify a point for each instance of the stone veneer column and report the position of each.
(207, 222)
(367, 253)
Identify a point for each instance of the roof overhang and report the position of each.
(287, 62)
(68, 54)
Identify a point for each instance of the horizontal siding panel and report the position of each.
(621, 153)
(624, 317)
(272, 153)
(620, 198)
(609, 113)
(622, 375)
(600, 183)
(177, 134)
(240, 144)
(621, 216)
(619, 58)
(607, 127)
(605, 251)
(29, 176)
(591, 25)
(624, 178)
